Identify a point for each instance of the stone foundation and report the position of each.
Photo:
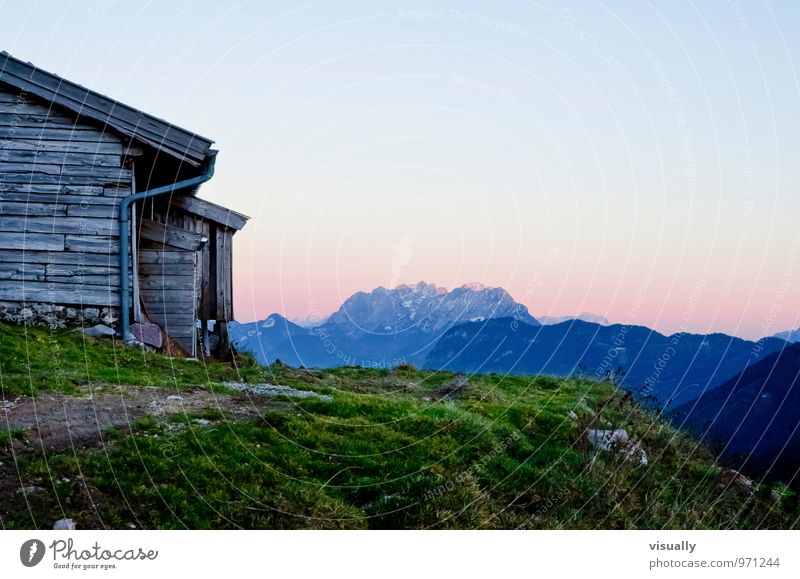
(56, 316)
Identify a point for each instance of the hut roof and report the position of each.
(128, 121)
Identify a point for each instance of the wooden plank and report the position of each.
(172, 319)
(48, 292)
(59, 180)
(184, 336)
(205, 309)
(98, 211)
(136, 300)
(59, 134)
(65, 259)
(92, 244)
(28, 168)
(219, 273)
(167, 308)
(67, 146)
(165, 257)
(75, 225)
(10, 95)
(156, 269)
(111, 174)
(166, 282)
(99, 280)
(111, 204)
(27, 271)
(170, 236)
(112, 191)
(170, 280)
(225, 351)
(32, 209)
(21, 118)
(228, 275)
(54, 158)
(54, 270)
(24, 104)
(158, 296)
(51, 189)
(31, 241)
(211, 211)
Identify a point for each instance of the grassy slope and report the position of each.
(386, 453)
(34, 359)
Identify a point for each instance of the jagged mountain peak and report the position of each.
(474, 286)
(426, 307)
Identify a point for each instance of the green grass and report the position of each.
(388, 452)
(34, 359)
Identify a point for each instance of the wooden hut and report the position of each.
(98, 209)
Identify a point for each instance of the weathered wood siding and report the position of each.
(223, 273)
(61, 181)
(168, 285)
(190, 224)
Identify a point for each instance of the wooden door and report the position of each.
(169, 290)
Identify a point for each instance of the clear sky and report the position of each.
(633, 159)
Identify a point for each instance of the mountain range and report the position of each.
(660, 371)
(384, 327)
(753, 419)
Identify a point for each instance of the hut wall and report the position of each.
(61, 181)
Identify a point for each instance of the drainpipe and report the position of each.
(124, 221)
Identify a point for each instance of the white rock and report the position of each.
(64, 525)
(98, 331)
(275, 390)
(31, 490)
(617, 439)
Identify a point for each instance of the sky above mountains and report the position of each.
(634, 160)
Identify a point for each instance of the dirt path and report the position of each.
(56, 421)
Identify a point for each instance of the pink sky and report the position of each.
(567, 159)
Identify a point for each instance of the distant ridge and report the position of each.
(584, 317)
(660, 371)
(753, 419)
(790, 336)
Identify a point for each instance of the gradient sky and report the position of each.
(636, 160)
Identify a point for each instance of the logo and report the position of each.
(32, 552)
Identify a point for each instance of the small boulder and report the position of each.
(149, 334)
(109, 316)
(91, 315)
(617, 440)
(730, 478)
(99, 331)
(64, 525)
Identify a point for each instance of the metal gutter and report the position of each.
(124, 221)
